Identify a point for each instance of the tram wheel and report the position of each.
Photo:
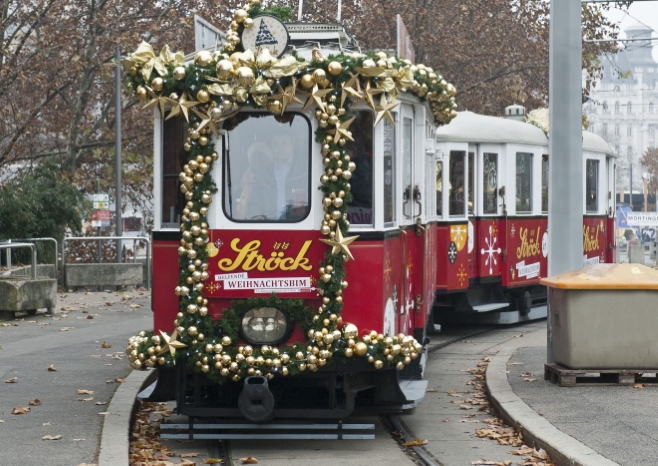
(524, 303)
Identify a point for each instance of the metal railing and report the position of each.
(119, 238)
(56, 251)
(24, 245)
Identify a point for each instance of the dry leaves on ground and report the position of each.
(36, 402)
(20, 410)
(100, 403)
(51, 368)
(518, 336)
(530, 380)
(12, 380)
(526, 374)
(84, 392)
(415, 443)
(216, 461)
(91, 398)
(249, 460)
(106, 345)
(52, 437)
(493, 463)
(446, 420)
(431, 390)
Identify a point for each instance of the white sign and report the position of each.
(267, 32)
(644, 219)
(528, 271)
(590, 261)
(206, 35)
(269, 285)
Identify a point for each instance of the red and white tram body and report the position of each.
(492, 217)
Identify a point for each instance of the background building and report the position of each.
(623, 107)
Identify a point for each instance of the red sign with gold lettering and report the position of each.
(527, 251)
(244, 263)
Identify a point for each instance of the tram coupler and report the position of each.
(256, 402)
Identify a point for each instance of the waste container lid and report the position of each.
(606, 276)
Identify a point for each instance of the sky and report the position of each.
(645, 12)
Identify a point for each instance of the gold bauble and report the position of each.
(204, 142)
(141, 92)
(360, 349)
(234, 25)
(179, 73)
(245, 76)
(399, 366)
(247, 24)
(203, 96)
(235, 59)
(203, 58)
(157, 84)
(224, 69)
(381, 63)
(335, 68)
(312, 367)
(349, 352)
(319, 76)
(192, 331)
(369, 63)
(299, 355)
(240, 15)
(350, 330)
(226, 341)
(307, 81)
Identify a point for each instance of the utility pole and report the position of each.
(117, 91)
(565, 147)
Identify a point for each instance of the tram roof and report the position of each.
(471, 127)
(594, 143)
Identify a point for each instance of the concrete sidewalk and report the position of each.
(582, 425)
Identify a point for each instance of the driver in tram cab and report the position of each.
(280, 191)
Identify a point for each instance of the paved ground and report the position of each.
(618, 422)
(73, 344)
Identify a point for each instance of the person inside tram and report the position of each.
(280, 190)
(260, 158)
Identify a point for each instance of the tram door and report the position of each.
(412, 210)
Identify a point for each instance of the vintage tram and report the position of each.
(254, 317)
(491, 208)
(289, 164)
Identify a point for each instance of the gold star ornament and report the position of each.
(339, 244)
(182, 106)
(158, 100)
(341, 129)
(351, 87)
(384, 110)
(316, 96)
(206, 120)
(171, 344)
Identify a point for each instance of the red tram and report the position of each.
(253, 315)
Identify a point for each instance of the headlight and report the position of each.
(266, 325)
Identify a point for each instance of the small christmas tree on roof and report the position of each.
(264, 36)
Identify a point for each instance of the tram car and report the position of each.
(491, 206)
(293, 250)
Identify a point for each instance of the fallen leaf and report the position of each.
(189, 455)
(415, 443)
(446, 420)
(90, 316)
(530, 380)
(524, 450)
(106, 345)
(78, 439)
(100, 403)
(87, 464)
(36, 402)
(515, 363)
(526, 374)
(469, 420)
(217, 461)
(84, 392)
(469, 415)
(12, 380)
(637, 385)
(518, 336)
(51, 368)
(249, 460)
(51, 437)
(91, 398)
(467, 341)
(47, 424)
(103, 413)
(431, 390)
(1, 421)
(20, 410)
(119, 380)
(65, 329)
(465, 407)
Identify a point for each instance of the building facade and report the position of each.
(623, 107)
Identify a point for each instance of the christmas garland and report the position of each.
(215, 87)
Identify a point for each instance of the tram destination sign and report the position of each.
(642, 219)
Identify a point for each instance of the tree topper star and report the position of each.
(341, 129)
(182, 106)
(171, 344)
(340, 244)
(158, 100)
(384, 110)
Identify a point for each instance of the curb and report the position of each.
(115, 435)
(562, 448)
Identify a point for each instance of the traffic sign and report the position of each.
(100, 218)
(101, 201)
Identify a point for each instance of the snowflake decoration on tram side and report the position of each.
(491, 251)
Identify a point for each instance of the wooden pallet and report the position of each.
(591, 377)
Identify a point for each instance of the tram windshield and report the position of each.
(266, 165)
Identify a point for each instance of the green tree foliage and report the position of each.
(40, 203)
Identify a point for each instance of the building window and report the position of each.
(629, 151)
(616, 130)
(489, 183)
(650, 107)
(617, 107)
(606, 109)
(523, 182)
(629, 130)
(605, 129)
(629, 108)
(652, 131)
(591, 186)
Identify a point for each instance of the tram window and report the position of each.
(266, 164)
(389, 173)
(456, 189)
(439, 188)
(172, 164)
(591, 186)
(406, 167)
(489, 183)
(359, 212)
(471, 183)
(544, 183)
(523, 182)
